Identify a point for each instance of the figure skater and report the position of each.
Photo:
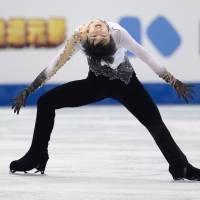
(110, 75)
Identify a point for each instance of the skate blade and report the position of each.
(38, 171)
(32, 173)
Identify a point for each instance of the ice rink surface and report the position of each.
(99, 153)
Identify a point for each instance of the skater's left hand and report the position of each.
(19, 101)
(184, 90)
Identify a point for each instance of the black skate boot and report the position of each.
(188, 172)
(37, 155)
(30, 161)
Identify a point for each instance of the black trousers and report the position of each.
(94, 88)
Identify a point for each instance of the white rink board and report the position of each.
(99, 153)
(23, 65)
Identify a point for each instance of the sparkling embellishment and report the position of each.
(123, 72)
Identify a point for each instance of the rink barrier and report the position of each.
(161, 93)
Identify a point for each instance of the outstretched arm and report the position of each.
(61, 58)
(183, 90)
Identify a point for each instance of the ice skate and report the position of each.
(30, 161)
(189, 172)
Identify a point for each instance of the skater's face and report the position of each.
(98, 32)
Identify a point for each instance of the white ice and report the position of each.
(99, 153)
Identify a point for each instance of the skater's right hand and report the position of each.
(19, 101)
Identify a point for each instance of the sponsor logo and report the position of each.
(34, 32)
(160, 31)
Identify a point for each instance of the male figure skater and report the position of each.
(110, 75)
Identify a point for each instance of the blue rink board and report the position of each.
(161, 93)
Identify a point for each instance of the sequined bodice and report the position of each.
(123, 72)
